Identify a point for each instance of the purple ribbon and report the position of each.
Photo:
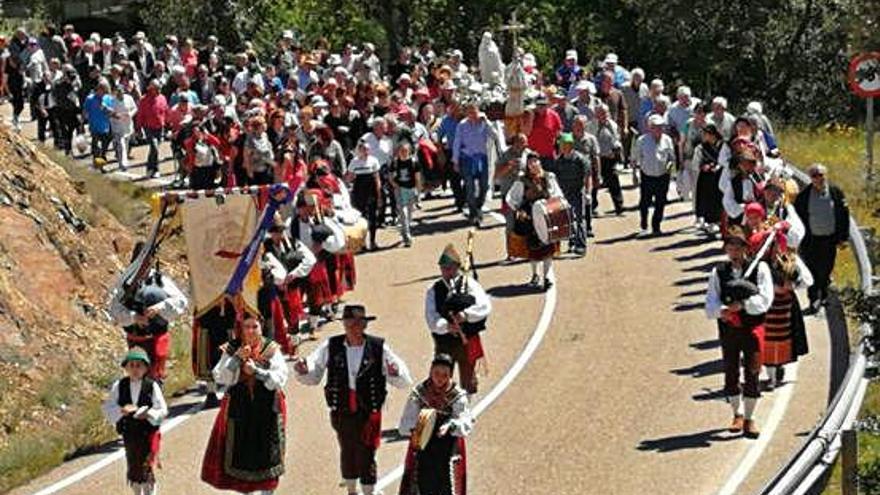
(247, 259)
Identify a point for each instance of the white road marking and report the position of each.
(782, 397)
(508, 378)
(112, 457)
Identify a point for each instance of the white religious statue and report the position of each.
(491, 65)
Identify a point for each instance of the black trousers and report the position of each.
(364, 199)
(456, 182)
(819, 254)
(741, 353)
(652, 192)
(357, 460)
(610, 180)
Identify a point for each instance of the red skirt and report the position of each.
(295, 308)
(347, 273)
(543, 252)
(319, 292)
(212, 464)
(157, 347)
(280, 327)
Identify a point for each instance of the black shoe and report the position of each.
(811, 310)
(212, 401)
(656, 233)
(535, 281)
(590, 233)
(547, 285)
(780, 375)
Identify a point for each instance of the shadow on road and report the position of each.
(703, 279)
(617, 240)
(709, 394)
(514, 290)
(706, 345)
(705, 267)
(682, 244)
(693, 293)
(691, 306)
(700, 440)
(701, 370)
(701, 255)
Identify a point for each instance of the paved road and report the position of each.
(620, 397)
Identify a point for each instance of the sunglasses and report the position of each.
(817, 175)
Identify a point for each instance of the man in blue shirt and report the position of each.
(570, 72)
(96, 109)
(446, 136)
(470, 158)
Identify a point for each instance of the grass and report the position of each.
(842, 150)
(28, 455)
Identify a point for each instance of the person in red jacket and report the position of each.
(546, 126)
(151, 117)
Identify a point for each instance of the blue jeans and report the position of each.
(475, 172)
(153, 137)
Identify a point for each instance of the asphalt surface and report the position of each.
(621, 396)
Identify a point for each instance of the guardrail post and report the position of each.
(850, 462)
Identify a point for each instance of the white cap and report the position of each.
(369, 46)
(586, 85)
(457, 53)
(658, 83)
(404, 77)
(571, 55)
(663, 99)
(220, 100)
(683, 91)
(287, 34)
(720, 100)
(318, 101)
(755, 107)
(638, 71)
(656, 120)
(611, 58)
(529, 60)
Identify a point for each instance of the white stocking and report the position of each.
(735, 402)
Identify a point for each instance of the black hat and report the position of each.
(443, 359)
(356, 311)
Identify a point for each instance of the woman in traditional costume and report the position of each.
(535, 185)
(436, 409)
(246, 449)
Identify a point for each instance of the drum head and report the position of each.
(539, 221)
(425, 427)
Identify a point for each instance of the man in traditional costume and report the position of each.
(246, 449)
(146, 312)
(358, 367)
(456, 309)
(135, 408)
(739, 301)
(437, 408)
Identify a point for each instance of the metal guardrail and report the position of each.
(802, 472)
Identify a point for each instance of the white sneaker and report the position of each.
(643, 233)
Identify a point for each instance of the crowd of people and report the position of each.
(371, 141)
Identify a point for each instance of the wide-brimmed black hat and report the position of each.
(356, 312)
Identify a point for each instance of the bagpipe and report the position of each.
(741, 288)
(459, 298)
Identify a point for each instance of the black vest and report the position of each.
(128, 425)
(442, 300)
(370, 382)
(725, 275)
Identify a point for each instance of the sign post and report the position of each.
(864, 81)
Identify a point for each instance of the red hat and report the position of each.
(755, 208)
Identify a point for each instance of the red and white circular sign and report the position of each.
(864, 75)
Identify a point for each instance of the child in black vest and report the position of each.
(136, 407)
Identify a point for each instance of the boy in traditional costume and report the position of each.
(456, 309)
(358, 366)
(437, 409)
(246, 449)
(739, 299)
(136, 407)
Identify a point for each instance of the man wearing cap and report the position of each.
(825, 214)
(572, 171)
(739, 302)
(456, 309)
(654, 155)
(438, 466)
(358, 367)
(470, 158)
(612, 64)
(569, 72)
(136, 407)
(585, 101)
(546, 127)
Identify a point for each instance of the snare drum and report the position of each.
(552, 220)
(356, 236)
(424, 430)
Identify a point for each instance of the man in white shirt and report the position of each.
(358, 366)
(739, 301)
(456, 309)
(653, 154)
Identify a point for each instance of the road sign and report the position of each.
(864, 75)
